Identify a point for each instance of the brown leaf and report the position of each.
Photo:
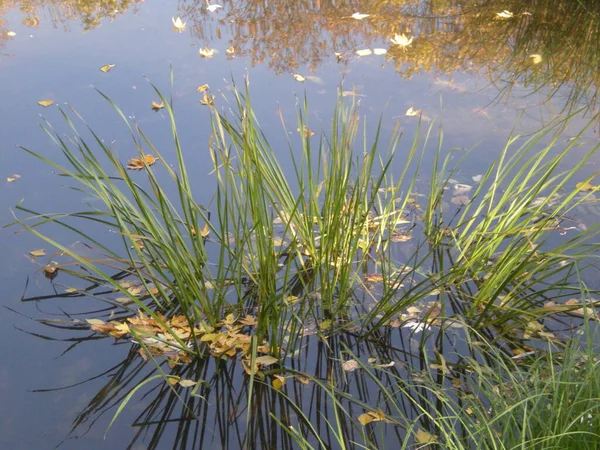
(202, 88)
(45, 103)
(138, 163)
(37, 253)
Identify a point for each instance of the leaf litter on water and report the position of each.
(45, 103)
(107, 67)
(138, 163)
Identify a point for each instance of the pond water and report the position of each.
(481, 76)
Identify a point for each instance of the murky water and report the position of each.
(481, 76)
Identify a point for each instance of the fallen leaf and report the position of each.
(506, 14)
(11, 33)
(187, 383)
(460, 189)
(213, 8)
(95, 321)
(105, 68)
(411, 112)
(10, 179)
(207, 52)
(298, 77)
(402, 40)
(424, 437)
(535, 58)
(379, 51)
(207, 100)
(230, 50)
(585, 186)
(359, 16)
(371, 416)
(278, 382)
(178, 24)
(45, 103)
(460, 200)
(157, 106)
(477, 178)
(307, 132)
(364, 52)
(138, 163)
(38, 253)
(202, 88)
(350, 365)
(339, 56)
(265, 360)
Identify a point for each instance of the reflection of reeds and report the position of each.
(302, 259)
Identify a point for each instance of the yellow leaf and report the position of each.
(10, 179)
(278, 382)
(70, 290)
(535, 58)
(187, 383)
(413, 112)
(230, 50)
(11, 33)
(105, 68)
(424, 437)
(173, 380)
(298, 77)
(156, 106)
(365, 419)
(39, 252)
(45, 103)
(205, 231)
(95, 321)
(307, 132)
(207, 99)
(402, 40)
(202, 88)
(506, 14)
(178, 24)
(585, 186)
(207, 52)
(138, 163)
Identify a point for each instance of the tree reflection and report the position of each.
(451, 35)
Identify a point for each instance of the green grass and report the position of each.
(311, 248)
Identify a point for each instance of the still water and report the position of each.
(480, 75)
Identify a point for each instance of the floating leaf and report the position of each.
(411, 112)
(157, 106)
(278, 382)
(10, 179)
(585, 186)
(379, 51)
(11, 33)
(359, 16)
(535, 58)
(339, 56)
(351, 365)
(213, 8)
(307, 132)
(371, 416)
(95, 321)
(45, 103)
(207, 100)
(106, 68)
(138, 163)
(207, 52)
(402, 40)
(202, 88)
(424, 437)
(38, 253)
(460, 189)
(178, 24)
(265, 360)
(298, 77)
(506, 14)
(187, 383)
(477, 178)
(230, 50)
(364, 52)
(460, 200)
